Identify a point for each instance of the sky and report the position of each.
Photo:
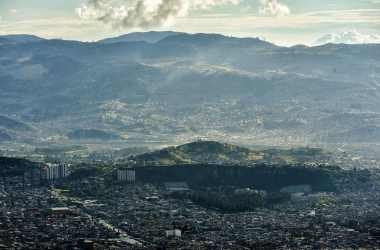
(284, 22)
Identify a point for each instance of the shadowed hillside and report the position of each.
(14, 166)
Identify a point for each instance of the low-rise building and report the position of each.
(177, 186)
(173, 233)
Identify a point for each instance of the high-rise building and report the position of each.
(121, 175)
(126, 175)
(63, 171)
(55, 171)
(131, 175)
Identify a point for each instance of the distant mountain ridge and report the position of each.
(149, 37)
(21, 38)
(188, 86)
(206, 39)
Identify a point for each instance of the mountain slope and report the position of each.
(9, 123)
(91, 134)
(188, 86)
(4, 137)
(21, 38)
(149, 37)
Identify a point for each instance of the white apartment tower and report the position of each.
(126, 175)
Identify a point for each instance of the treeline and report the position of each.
(233, 202)
(10, 167)
(261, 177)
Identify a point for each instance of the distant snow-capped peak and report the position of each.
(348, 37)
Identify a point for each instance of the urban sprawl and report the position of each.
(46, 209)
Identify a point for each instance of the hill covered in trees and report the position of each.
(217, 153)
(15, 166)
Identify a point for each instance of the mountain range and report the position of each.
(168, 88)
(149, 37)
(17, 39)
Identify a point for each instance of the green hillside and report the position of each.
(215, 152)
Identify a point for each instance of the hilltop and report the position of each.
(20, 38)
(149, 37)
(207, 152)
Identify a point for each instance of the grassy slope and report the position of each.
(215, 152)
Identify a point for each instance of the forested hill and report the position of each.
(223, 153)
(15, 166)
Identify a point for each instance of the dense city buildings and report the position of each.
(88, 214)
(189, 206)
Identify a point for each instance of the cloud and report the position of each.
(143, 13)
(348, 37)
(273, 8)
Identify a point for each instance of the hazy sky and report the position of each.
(281, 21)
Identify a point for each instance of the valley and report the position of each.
(181, 88)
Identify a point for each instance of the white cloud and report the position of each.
(143, 13)
(348, 37)
(273, 8)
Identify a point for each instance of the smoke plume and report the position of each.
(273, 8)
(143, 13)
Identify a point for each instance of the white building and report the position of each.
(121, 175)
(176, 186)
(173, 233)
(126, 175)
(131, 175)
(55, 171)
